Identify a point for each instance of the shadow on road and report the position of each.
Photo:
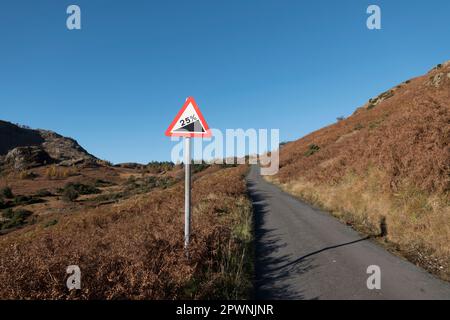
(319, 251)
(274, 270)
(304, 253)
(268, 274)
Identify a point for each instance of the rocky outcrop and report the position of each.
(439, 78)
(13, 136)
(22, 147)
(62, 148)
(129, 165)
(21, 158)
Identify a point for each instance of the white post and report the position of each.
(187, 193)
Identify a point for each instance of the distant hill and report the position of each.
(22, 148)
(389, 161)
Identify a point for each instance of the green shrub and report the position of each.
(26, 200)
(50, 223)
(102, 183)
(199, 167)
(312, 148)
(147, 184)
(7, 193)
(82, 189)
(44, 193)
(8, 213)
(14, 218)
(70, 194)
(131, 180)
(158, 167)
(156, 182)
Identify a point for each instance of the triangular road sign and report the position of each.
(189, 122)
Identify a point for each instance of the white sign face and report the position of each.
(189, 122)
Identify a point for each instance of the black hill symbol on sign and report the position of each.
(192, 127)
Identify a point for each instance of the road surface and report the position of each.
(305, 253)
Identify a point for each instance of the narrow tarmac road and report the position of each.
(305, 253)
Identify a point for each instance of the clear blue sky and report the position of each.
(296, 65)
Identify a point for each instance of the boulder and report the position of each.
(21, 158)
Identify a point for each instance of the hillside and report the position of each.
(122, 225)
(23, 148)
(385, 168)
(124, 228)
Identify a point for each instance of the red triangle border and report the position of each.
(207, 132)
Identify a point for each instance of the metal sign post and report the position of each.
(188, 123)
(187, 193)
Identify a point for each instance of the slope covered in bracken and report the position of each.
(133, 248)
(389, 161)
